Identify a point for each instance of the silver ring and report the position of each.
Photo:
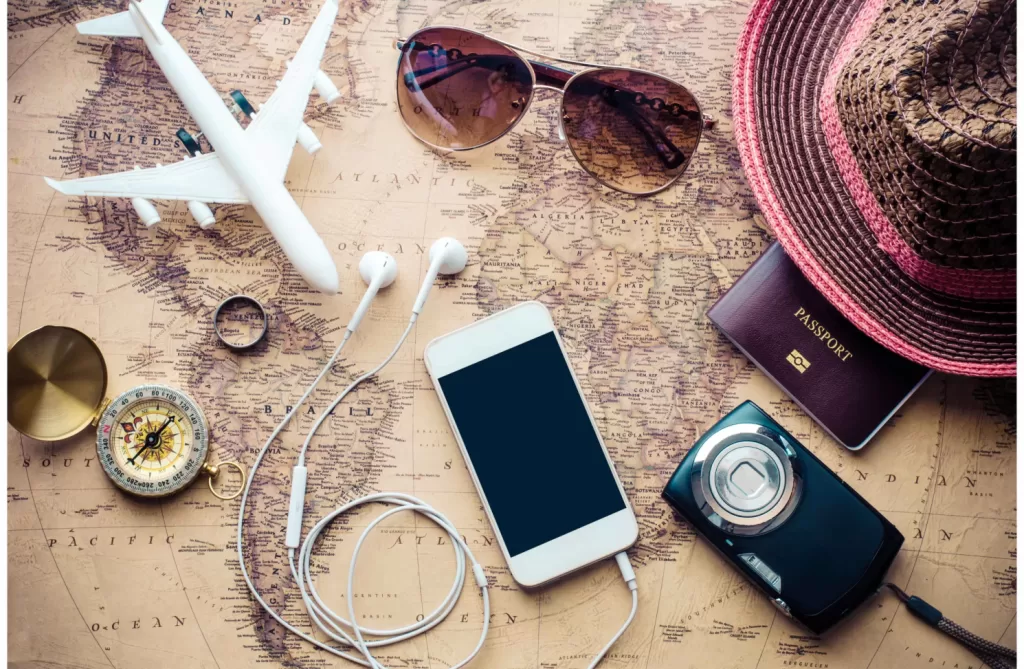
(241, 299)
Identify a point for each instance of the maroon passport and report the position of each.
(845, 380)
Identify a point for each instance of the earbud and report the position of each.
(378, 270)
(447, 256)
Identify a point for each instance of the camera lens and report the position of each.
(743, 480)
(747, 479)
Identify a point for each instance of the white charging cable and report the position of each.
(629, 576)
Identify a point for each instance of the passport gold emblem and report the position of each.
(797, 359)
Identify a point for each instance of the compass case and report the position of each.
(56, 383)
(814, 546)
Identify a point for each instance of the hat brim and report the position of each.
(784, 55)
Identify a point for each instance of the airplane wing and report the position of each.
(112, 25)
(202, 178)
(275, 128)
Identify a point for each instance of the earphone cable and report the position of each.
(245, 498)
(323, 617)
(341, 396)
(330, 623)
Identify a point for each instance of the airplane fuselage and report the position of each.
(241, 158)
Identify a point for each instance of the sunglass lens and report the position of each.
(459, 90)
(633, 131)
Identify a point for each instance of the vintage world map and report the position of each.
(97, 579)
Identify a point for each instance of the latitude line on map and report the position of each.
(412, 409)
(657, 612)
(24, 292)
(319, 652)
(34, 51)
(59, 490)
(49, 549)
(412, 440)
(413, 528)
(184, 591)
(767, 636)
(927, 514)
(1013, 619)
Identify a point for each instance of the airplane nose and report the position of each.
(303, 247)
(322, 275)
(310, 257)
(327, 285)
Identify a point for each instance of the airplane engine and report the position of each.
(190, 143)
(308, 140)
(241, 104)
(203, 214)
(325, 87)
(146, 211)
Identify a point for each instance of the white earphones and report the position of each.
(378, 270)
(447, 256)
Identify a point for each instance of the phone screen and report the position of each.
(531, 442)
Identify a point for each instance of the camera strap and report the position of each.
(992, 654)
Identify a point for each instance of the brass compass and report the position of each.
(152, 440)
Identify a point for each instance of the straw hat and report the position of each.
(879, 138)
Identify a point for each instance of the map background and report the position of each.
(98, 580)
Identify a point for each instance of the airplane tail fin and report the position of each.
(122, 24)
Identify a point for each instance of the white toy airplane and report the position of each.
(249, 165)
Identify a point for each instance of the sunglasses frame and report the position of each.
(705, 122)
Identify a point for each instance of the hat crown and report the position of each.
(928, 105)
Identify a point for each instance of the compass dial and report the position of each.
(152, 440)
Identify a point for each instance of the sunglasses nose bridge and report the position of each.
(561, 108)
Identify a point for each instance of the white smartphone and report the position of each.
(531, 444)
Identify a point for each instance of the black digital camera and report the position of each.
(804, 537)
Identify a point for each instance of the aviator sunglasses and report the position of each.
(632, 130)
